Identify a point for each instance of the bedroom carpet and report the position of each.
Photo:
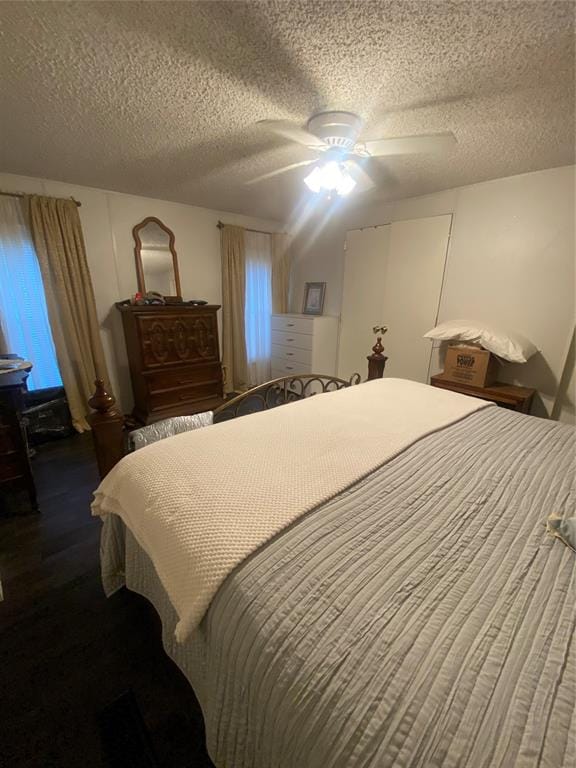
(81, 676)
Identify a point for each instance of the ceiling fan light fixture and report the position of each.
(330, 177)
(346, 184)
(314, 180)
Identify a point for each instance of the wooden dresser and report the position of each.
(15, 469)
(174, 359)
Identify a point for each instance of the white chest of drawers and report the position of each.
(304, 344)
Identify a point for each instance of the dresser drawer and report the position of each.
(176, 338)
(10, 439)
(292, 355)
(11, 466)
(188, 394)
(283, 368)
(295, 324)
(182, 376)
(292, 339)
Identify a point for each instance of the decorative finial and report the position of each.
(378, 348)
(101, 401)
(377, 361)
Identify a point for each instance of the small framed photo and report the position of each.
(314, 298)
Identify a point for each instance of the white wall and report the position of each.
(107, 221)
(510, 263)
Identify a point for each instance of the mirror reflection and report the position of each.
(156, 258)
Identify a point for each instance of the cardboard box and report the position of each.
(470, 365)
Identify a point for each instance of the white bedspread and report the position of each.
(199, 503)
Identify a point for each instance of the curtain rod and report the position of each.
(21, 194)
(259, 231)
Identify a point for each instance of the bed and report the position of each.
(412, 611)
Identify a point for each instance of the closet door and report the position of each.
(402, 267)
(365, 264)
(415, 268)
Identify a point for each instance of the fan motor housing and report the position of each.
(338, 129)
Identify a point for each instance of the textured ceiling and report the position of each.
(161, 98)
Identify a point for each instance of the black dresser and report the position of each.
(16, 480)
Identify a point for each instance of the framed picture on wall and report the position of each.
(313, 298)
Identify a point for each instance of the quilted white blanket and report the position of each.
(201, 502)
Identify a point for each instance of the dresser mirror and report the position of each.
(156, 259)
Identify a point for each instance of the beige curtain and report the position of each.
(59, 243)
(234, 359)
(281, 266)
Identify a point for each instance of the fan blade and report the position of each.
(278, 172)
(360, 175)
(293, 132)
(380, 172)
(407, 145)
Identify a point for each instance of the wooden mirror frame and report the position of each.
(138, 257)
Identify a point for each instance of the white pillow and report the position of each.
(508, 345)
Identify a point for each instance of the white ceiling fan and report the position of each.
(335, 136)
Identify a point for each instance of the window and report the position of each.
(22, 302)
(258, 305)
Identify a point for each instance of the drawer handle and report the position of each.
(289, 354)
(289, 339)
(289, 368)
(289, 325)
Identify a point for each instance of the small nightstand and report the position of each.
(504, 395)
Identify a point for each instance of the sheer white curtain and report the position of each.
(258, 305)
(24, 318)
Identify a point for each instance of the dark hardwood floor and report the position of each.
(67, 652)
